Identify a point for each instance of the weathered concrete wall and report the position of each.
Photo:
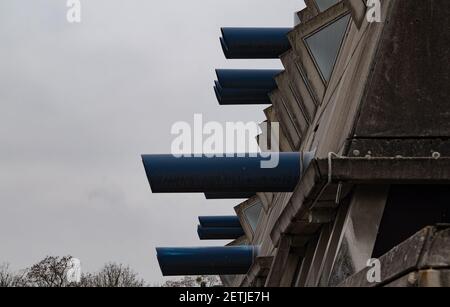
(426, 255)
(406, 107)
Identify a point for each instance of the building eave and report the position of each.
(318, 190)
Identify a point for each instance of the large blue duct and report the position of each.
(248, 78)
(254, 43)
(240, 96)
(170, 174)
(219, 195)
(245, 86)
(219, 233)
(229, 260)
(219, 221)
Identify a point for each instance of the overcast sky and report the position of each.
(81, 102)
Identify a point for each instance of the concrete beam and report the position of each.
(387, 170)
(314, 184)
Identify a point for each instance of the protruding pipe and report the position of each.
(219, 233)
(229, 260)
(244, 86)
(170, 174)
(219, 227)
(238, 96)
(254, 43)
(219, 221)
(248, 78)
(219, 195)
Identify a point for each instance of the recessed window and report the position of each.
(325, 4)
(324, 45)
(249, 213)
(252, 215)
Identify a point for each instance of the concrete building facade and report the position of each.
(371, 101)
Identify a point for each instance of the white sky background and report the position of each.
(79, 104)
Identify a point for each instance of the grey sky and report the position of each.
(81, 102)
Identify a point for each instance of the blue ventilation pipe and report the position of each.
(219, 221)
(170, 174)
(219, 233)
(219, 195)
(254, 43)
(219, 227)
(228, 260)
(248, 78)
(239, 96)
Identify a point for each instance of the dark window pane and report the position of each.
(325, 44)
(252, 215)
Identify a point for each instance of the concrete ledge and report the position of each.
(419, 261)
(388, 170)
(318, 186)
